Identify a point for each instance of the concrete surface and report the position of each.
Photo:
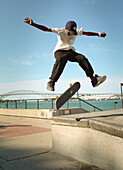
(26, 143)
(40, 113)
(94, 138)
(106, 121)
(36, 113)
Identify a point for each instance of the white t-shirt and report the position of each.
(64, 41)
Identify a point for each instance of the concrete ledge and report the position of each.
(94, 138)
(36, 113)
(74, 110)
(40, 113)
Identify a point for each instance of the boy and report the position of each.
(64, 51)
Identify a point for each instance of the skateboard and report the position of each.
(67, 95)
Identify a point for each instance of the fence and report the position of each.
(43, 103)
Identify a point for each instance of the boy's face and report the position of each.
(68, 33)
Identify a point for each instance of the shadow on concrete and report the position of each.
(47, 160)
(6, 126)
(101, 116)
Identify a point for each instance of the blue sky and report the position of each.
(26, 53)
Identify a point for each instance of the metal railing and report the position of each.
(37, 104)
(26, 102)
(90, 105)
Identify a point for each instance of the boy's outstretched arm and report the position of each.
(103, 34)
(41, 27)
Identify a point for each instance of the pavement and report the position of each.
(26, 143)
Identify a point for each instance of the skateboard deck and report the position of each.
(67, 95)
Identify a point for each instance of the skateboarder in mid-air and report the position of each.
(64, 51)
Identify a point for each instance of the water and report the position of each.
(102, 104)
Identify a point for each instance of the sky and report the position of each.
(26, 53)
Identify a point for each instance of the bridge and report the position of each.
(27, 92)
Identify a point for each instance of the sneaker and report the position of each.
(98, 80)
(50, 85)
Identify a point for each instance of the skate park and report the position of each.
(74, 136)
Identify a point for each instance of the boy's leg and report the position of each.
(83, 62)
(61, 60)
(86, 66)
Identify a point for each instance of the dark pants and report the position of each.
(62, 56)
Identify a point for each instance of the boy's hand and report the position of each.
(103, 34)
(28, 21)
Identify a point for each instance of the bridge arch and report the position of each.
(25, 92)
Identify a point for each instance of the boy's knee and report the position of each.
(81, 57)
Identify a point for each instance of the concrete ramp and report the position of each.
(94, 138)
